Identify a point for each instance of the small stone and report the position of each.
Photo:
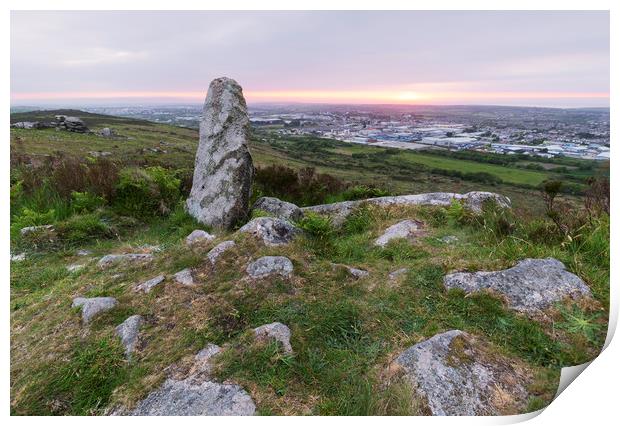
(111, 260)
(184, 277)
(397, 273)
(35, 229)
(459, 374)
(272, 231)
(195, 397)
(275, 331)
(204, 357)
(75, 267)
(404, 229)
(354, 272)
(270, 265)
(448, 239)
(84, 253)
(529, 287)
(128, 332)
(93, 306)
(18, 257)
(215, 253)
(198, 236)
(149, 285)
(278, 208)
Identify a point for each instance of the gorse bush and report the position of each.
(147, 192)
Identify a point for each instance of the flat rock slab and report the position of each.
(128, 333)
(198, 236)
(472, 200)
(216, 252)
(275, 331)
(223, 169)
(184, 277)
(149, 285)
(28, 230)
(461, 375)
(267, 266)
(111, 260)
(278, 208)
(93, 306)
(272, 231)
(529, 287)
(405, 229)
(192, 397)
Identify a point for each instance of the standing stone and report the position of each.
(128, 333)
(223, 169)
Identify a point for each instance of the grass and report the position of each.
(345, 331)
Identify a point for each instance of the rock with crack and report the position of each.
(216, 252)
(406, 229)
(278, 208)
(195, 396)
(111, 260)
(275, 331)
(223, 169)
(149, 285)
(184, 277)
(128, 333)
(268, 266)
(472, 200)
(459, 374)
(529, 287)
(272, 231)
(198, 236)
(93, 306)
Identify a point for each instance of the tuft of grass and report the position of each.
(81, 385)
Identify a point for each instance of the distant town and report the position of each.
(546, 132)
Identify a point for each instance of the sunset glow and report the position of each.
(334, 96)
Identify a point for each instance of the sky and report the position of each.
(533, 58)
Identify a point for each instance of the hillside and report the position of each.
(352, 305)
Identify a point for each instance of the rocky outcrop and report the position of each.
(406, 229)
(91, 307)
(149, 285)
(71, 124)
(128, 333)
(270, 265)
(275, 331)
(529, 287)
(223, 169)
(459, 374)
(198, 236)
(110, 260)
(472, 200)
(272, 231)
(30, 125)
(217, 251)
(278, 208)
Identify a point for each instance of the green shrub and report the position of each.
(85, 201)
(147, 192)
(28, 217)
(360, 192)
(320, 232)
(358, 221)
(81, 228)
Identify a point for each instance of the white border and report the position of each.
(591, 399)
